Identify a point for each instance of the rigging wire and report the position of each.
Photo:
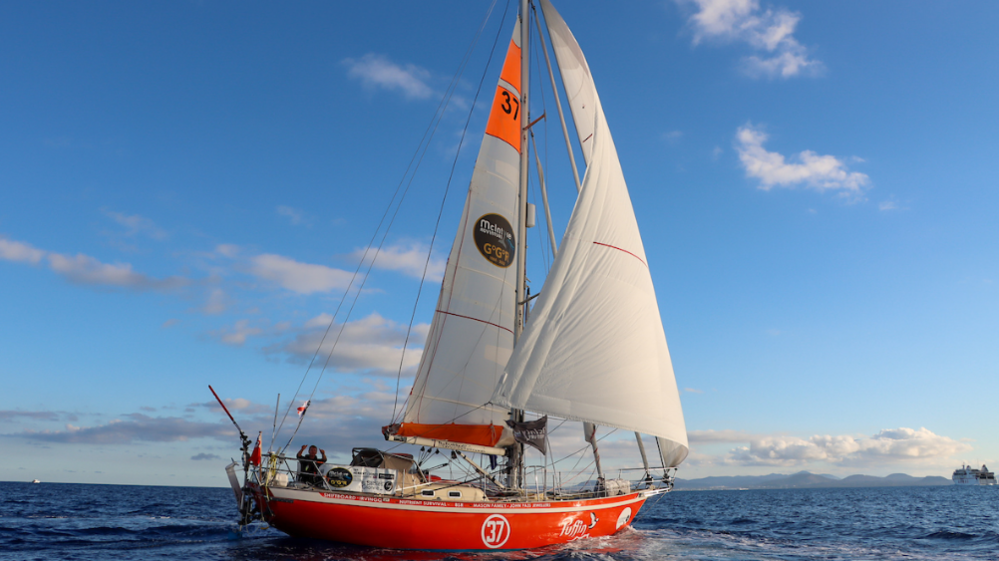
(410, 172)
(440, 213)
(546, 256)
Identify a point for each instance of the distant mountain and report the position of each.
(806, 480)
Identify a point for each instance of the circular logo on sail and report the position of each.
(494, 237)
(339, 477)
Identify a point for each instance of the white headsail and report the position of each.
(471, 336)
(595, 349)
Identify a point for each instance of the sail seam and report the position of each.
(624, 250)
(475, 319)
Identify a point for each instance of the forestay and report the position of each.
(471, 336)
(595, 349)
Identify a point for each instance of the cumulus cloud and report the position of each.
(11, 250)
(227, 250)
(9, 415)
(303, 278)
(294, 215)
(216, 302)
(769, 32)
(822, 173)
(237, 334)
(134, 427)
(372, 344)
(135, 225)
(409, 259)
(87, 270)
(889, 445)
(377, 71)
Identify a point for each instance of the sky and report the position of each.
(186, 190)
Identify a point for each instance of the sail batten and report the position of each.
(595, 349)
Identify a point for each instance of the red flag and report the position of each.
(301, 410)
(255, 457)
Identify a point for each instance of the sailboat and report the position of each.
(593, 351)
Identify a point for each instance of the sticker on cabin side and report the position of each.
(493, 235)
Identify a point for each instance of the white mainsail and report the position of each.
(595, 349)
(471, 336)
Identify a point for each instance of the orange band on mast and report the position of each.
(505, 115)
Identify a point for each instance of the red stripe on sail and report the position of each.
(475, 319)
(624, 250)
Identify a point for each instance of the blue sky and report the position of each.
(186, 189)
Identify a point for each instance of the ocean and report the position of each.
(55, 521)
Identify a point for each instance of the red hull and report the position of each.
(396, 523)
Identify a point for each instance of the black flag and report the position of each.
(531, 433)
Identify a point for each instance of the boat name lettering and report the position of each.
(343, 497)
(430, 503)
(573, 528)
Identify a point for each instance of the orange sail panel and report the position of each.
(482, 435)
(505, 115)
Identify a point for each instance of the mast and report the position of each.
(517, 415)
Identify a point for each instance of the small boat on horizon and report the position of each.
(966, 475)
(35, 481)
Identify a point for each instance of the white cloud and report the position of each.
(770, 32)
(19, 252)
(227, 250)
(376, 71)
(728, 436)
(822, 173)
(136, 224)
(216, 302)
(84, 269)
(673, 137)
(237, 334)
(409, 260)
(891, 205)
(304, 278)
(889, 445)
(372, 344)
(294, 215)
(136, 426)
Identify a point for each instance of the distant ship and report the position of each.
(35, 481)
(968, 476)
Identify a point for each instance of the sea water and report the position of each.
(52, 521)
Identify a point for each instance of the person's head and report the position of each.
(312, 450)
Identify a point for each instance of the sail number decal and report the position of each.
(506, 105)
(495, 531)
(493, 235)
(504, 118)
